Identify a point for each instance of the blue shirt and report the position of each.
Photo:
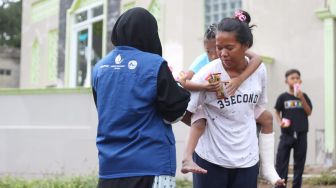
(199, 62)
(132, 138)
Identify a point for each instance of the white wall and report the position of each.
(54, 134)
(43, 134)
(182, 34)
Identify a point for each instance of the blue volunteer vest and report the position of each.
(132, 139)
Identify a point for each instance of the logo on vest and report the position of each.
(132, 64)
(118, 59)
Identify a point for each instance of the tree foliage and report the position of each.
(10, 23)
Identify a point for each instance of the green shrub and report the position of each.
(324, 179)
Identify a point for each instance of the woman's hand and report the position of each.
(232, 86)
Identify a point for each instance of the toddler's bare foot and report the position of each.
(188, 165)
(280, 182)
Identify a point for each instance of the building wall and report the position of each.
(39, 43)
(52, 132)
(58, 141)
(181, 38)
(182, 32)
(9, 67)
(293, 35)
(180, 28)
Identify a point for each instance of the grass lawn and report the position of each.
(63, 182)
(324, 181)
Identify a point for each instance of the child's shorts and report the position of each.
(164, 181)
(199, 114)
(258, 110)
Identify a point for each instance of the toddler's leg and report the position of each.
(266, 148)
(196, 131)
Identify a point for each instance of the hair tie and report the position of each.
(240, 16)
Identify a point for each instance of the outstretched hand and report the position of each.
(232, 86)
(182, 78)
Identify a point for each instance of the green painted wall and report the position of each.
(52, 55)
(44, 8)
(155, 9)
(128, 5)
(329, 75)
(328, 15)
(77, 4)
(35, 63)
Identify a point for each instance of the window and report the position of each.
(97, 11)
(232, 5)
(81, 17)
(5, 72)
(215, 7)
(207, 8)
(86, 45)
(8, 72)
(215, 10)
(224, 6)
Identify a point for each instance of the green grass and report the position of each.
(63, 182)
(183, 183)
(324, 179)
(58, 182)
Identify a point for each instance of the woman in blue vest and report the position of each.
(137, 99)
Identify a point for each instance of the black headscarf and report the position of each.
(137, 28)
